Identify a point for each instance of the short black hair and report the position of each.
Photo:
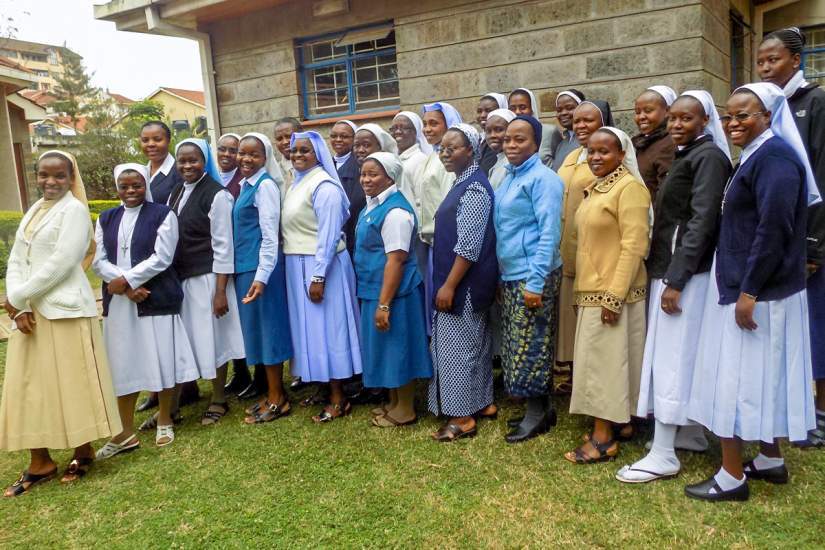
(792, 38)
(160, 123)
(292, 121)
(577, 92)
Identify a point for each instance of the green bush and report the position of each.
(96, 207)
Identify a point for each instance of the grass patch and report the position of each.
(346, 484)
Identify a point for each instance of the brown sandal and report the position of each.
(607, 451)
(386, 421)
(78, 468)
(450, 432)
(211, 417)
(332, 411)
(269, 412)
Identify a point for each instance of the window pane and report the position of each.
(324, 50)
(815, 67)
(382, 68)
(367, 93)
(326, 78)
(815, 38)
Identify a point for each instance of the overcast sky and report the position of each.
(128, 63)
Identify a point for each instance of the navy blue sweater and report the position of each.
(762, 236)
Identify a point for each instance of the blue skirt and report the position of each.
(392, 359)
(265, 322)
(816, 312)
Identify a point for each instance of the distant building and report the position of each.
(184, 108)
(46, 61)
(120, 103)
(321, 60)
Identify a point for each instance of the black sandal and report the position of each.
(77, 468)
(269, 412)
(19, 488)
(151, 423)
(451, 432)
(580, 456)
(210, 417)
(332, 411)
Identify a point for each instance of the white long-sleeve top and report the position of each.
(268, 202)
(398, 225)
(164, 251)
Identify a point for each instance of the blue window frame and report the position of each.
(813, 55)
(348, 72)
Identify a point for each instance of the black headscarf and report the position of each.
(534, 123)
(604, 109)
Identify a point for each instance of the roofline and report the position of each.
(129, 15)
(15, 77)
(27, 105)
(162, 89)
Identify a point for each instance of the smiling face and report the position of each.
(374, 179)
(456, 153)
(650, 112)
(228, 153)
(365, 144)
(340, 138)
(434, 126)
(303, 155)
(54, 177)
(519, 142)
(403, 132)
(190, 162)
(686, 120)
(283, 132)
(604, 153)
(485, 106)
(251, 156)
(565, 106)
(775, 63)
(519, 103)
(494, 131)
(745, 131)
(131, 188)
(587, 118)
(154, 143)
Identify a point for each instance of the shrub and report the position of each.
(96, 207)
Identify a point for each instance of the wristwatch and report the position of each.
(384, 307)
(318, 279)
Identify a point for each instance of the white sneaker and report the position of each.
(111, 449)
(164, 432)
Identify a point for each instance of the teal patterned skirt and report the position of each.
(528, 338)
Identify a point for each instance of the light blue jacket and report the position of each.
(528, 223)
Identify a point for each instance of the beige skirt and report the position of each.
(566, 335)
(57, 390)
(608, 363)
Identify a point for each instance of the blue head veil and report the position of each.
(209, 164)
(451, 116)
(324, 160)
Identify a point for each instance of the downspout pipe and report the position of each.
(157, 24)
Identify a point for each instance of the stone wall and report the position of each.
(455, 50)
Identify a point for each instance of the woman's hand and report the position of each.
(256, 290)
(10, 309)
(138, 295)
(444, 298)
(382, 320)
(25, 323)
(316, 292)
(811, 268)
(670, 301)
(220, 306)
(118, 286)
(532, 300)
(744, 312)
(609, 317)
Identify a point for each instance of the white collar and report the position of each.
(407, 153)
(382, 196)
(342, 159)
(166, 167)
(796, 82)
(253, 179)
(751, 147)
(226, 177)
(193, 184)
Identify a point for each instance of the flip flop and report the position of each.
(386, 421)
(452, 432)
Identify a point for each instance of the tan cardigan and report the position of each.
(612, 238)
(576, 177)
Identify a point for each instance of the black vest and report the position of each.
(163, 185)
(166, 295)
(194, 254)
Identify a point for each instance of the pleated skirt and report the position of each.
(57, 389)
(394, 358)
(670, 352)
(755, 385)
(566, 334)
(608, 363)
(325, 338)
(265, 322)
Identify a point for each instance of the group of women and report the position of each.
(421, 252)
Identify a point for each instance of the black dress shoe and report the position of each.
(250, 392)
(149, 403)
(240, 377)
(189, 394)
(778, 474)
(702, 491)
(514, 422)
(521, 433)
(297, 383)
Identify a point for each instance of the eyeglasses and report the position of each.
(405, 129)
(449, 151)
(740, 117)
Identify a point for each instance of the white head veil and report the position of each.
(391, 164)
(418, 124)
(534, 105)
(629, 161)
(135, 167)
(349, 123)
(506, 114)
(271, 165)
(451, 115)
(501, 99)
(385, 140)
(783, 125)
(667, 93)
(714, 127)
(571, 95)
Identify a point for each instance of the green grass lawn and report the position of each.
(294, 484)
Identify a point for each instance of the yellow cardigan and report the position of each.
(612, 237)
(576, 177)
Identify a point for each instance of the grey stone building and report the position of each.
(321, 60)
